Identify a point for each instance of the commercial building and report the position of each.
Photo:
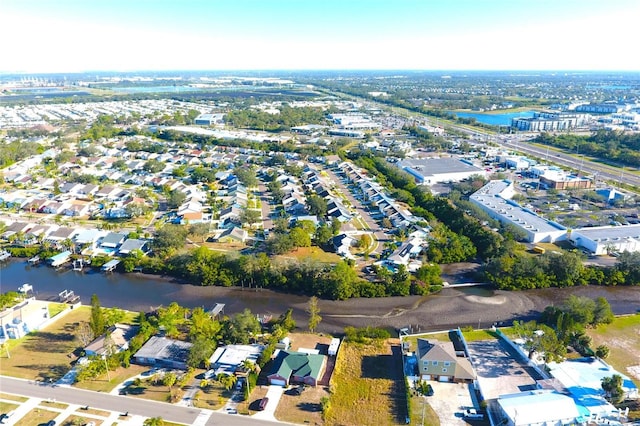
(607, 239)
(550, 121)
(600, 108)
(429, 171)
(494, 198)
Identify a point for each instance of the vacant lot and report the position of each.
(48, 353)
(368, 386)
(622, 337)
(311, 253)
(37, 417)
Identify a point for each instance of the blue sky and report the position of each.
(81, 35)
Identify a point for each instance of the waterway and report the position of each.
(503, 119)
(449, 308)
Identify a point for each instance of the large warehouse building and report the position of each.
(607, 239)
(429, 171)
(494, 198)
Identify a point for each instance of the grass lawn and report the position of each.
(46, 354)
(37, 417)
(146, 389)
(5, 407)
(413, 339)
(212, 398)
(314, 253)
(102, 384)
(11, 397)
(367, 387)
(93, 411)
(419, 406)
(622, 337)
(55, 308)
(52, 404)
(476, 335)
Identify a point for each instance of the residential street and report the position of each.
(123, 404)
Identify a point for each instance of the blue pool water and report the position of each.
(495, 119)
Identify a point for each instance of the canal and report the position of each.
(449, 308)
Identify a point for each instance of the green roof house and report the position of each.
(297, 367)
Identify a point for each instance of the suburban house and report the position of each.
(229, 359)
(234, 234)
(117, 341)
(163, 352)
(438, 361)
(297, 367)
(133, 244)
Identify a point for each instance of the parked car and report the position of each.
(263, 404)
(429, 390)
(473, 414)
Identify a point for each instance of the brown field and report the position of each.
(11, 397)
(367, 387)
(74, 420)
(48, 353)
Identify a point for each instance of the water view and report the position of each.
(503, 119)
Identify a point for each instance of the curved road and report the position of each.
(123, 404)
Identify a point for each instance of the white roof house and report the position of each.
(538, 407)
(603, 239)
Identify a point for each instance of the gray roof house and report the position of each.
(164, 352)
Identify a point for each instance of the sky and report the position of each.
(138, 35)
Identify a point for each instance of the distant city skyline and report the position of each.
(41, 36)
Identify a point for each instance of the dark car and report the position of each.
(51, 423)
(297, 390)
(263, 404)
(429, 390)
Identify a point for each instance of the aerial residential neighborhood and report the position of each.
(319, 213)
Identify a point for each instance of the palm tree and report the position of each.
(227, 380)
(153, 421)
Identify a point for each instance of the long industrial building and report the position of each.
(429, 171)
(607, 239)
(494, 198)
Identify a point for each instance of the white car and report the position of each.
(472, 414)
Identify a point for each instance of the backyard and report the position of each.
(48, 353)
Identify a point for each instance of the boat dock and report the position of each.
(4, 255)
(34, 260)
(110, 265)
(59, 259)
(78, 264)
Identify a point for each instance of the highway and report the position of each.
(123, 404)
(584, 166)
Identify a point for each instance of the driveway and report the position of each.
(449, 400)
(274, 394)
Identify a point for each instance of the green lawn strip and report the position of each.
(6, 407)
(93, 411)
(413, 339)
(56, 308)
(13, 397)
(53, 404)
(476, 335)
(37, 417)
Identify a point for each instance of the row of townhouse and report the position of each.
(87, 241)
(321, 186)
(373, 193)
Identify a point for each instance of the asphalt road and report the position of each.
(585, 166)
(123, 404)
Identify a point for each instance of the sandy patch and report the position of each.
(494, 300)
(634, 370)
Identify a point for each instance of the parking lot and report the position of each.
(499, 369)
